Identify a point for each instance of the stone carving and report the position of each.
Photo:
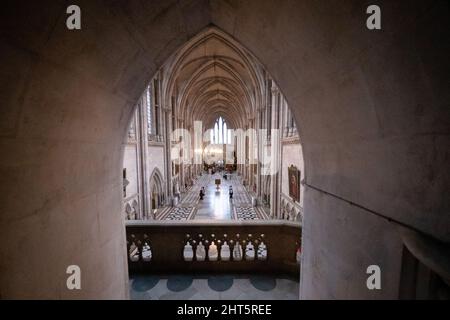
(262, 251)
(213, 254)
(225, 252)
(132, 210)
(135, 206)
(188, 252)
(249, 251)
(146, 252)
(200, 253)
(237, 251)
(134, 252)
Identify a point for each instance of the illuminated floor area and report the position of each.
(213, 287)
(216, 204)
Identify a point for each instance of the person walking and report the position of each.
(231, 193)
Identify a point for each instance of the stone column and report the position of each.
(164, 139)
(250, 155)
(168, 162)
(260, 142)
(275, 155)
(285, 124)
(142, 156)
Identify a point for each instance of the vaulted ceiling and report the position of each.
(211, 76)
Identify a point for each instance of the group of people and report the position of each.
(202, 192)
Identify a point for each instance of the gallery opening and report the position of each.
(225, 150)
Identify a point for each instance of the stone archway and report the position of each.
(157, 194)
(374, 128)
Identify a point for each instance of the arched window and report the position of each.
(216, 133)
(225, 131)
(220, 134)
(148, 102)
(220, 131)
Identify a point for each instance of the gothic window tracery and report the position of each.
(220, 134)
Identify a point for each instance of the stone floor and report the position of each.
(213, 287)
(216, 204)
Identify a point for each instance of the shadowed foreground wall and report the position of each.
(372, 110)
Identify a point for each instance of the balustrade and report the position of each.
(262, 246)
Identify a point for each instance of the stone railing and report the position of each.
(168, 242)
(290, 210)
(131, 207)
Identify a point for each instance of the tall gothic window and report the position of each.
(156, 95)
(220, 134)
(148, 102)
(269, 108)
(173, 113)
(151, 102)
(216, 133)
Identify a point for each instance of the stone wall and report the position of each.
(374, 126)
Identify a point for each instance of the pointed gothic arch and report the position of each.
(157, 194)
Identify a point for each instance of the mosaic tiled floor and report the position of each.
(249, 213)
(163, 212)
(179, 213)
(245, 213)
(192, 196)
(262, 213)
(240, 196)
(213, 287)
(216, 204)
